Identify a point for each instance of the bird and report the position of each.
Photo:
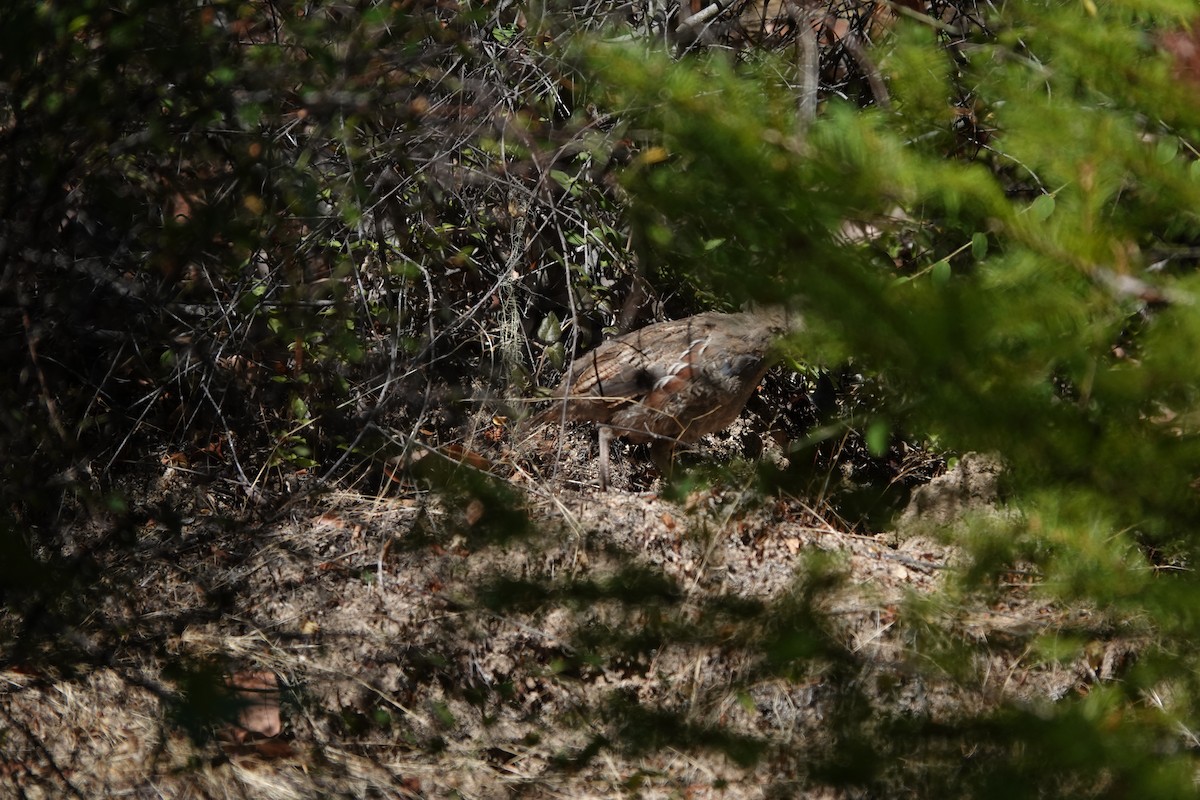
(672, 382)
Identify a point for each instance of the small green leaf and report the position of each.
(564, 180)
(979, 246)
(444, 715)
(505, 34)
(941, 272)
(299, 408)
(557, 354)
(1043, 207)
(659, 234)
(878, 434)
(1166, 151)
(550, 331)
(222, 75)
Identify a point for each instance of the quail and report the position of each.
(670, 382)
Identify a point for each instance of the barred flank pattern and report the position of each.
(674, 381)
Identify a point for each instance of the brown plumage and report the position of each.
(671, 382)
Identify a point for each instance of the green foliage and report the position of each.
(1050, 317)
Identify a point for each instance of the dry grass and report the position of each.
(399, 677)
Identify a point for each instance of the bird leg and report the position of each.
(605, 437)
(662, 453)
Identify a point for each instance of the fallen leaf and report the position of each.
(259, 692)
(475, 511)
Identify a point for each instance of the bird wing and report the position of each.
(618, 369)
